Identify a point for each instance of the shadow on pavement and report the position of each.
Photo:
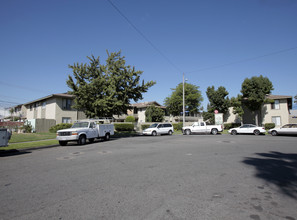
(277, 168)
(8, 153)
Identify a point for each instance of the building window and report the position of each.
(43, 104)
(66, 120)
(276, 120)
(275, 105)
(66, 104)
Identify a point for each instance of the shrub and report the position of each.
(124, 127)
(177, 126)
(228, 126)
(27, 127)
(269, 126)
(144, 126)
(130, 119)
(60, 126)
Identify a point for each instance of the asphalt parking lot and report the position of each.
(163, 177)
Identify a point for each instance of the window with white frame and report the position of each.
(43, 104)
(275, 105)
(276, 120)
(66, 120)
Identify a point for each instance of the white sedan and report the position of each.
(247, 129)
(288, 129)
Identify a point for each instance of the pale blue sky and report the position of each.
(40, 38)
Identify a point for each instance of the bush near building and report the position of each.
(60, 126)
(268, 126)
(124, 127)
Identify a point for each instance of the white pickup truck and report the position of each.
(201, 127)
(81, 131)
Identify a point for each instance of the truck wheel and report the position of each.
(214, 131)
(91, 140)
(63, 143)
(188, 132)
(107, 137)
(82, 140)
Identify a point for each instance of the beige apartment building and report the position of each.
(277, 112)
(56, 108)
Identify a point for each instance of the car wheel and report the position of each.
(107, 137)
(170, 132)
(214, 131)
(63, 143)
(274, 133)
(82, 140)
(188, 132)
(154, 133)
(256, 132)
(234, 132)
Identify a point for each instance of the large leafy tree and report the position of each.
(254, 93)
(218, 100)
(236, 103)
(193, 99)
(154, 114)
(104, 90)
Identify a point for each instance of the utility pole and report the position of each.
(184, 100)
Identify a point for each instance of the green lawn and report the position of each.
(16, 138)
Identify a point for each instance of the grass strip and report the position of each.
(16, 138)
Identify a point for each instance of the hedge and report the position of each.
(60, 126)
(228, 126)
(130, 119)
(124, 127)
(177, 126)
(145, 126)
(268, 126)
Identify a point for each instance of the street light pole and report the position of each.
(184, 100)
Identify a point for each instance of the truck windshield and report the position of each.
(80, 125)
(153, 126)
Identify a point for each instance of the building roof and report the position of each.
(146, 104)
(63, 95)
(278, 96)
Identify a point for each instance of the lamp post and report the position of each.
(184, 99)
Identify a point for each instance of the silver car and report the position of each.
(288, 129)
(158, 129)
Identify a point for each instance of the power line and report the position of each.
(143, 36)
(245, 60)
(23, 87)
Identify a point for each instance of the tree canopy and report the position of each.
(236, 103)
(218, 100)
(193, 99)
(254, 93)
(154, 114)
(106, 90)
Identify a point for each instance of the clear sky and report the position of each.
(214, 42)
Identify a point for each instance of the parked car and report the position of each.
(288, 129)
(159, 128)
(202, 128)
(247, 129)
